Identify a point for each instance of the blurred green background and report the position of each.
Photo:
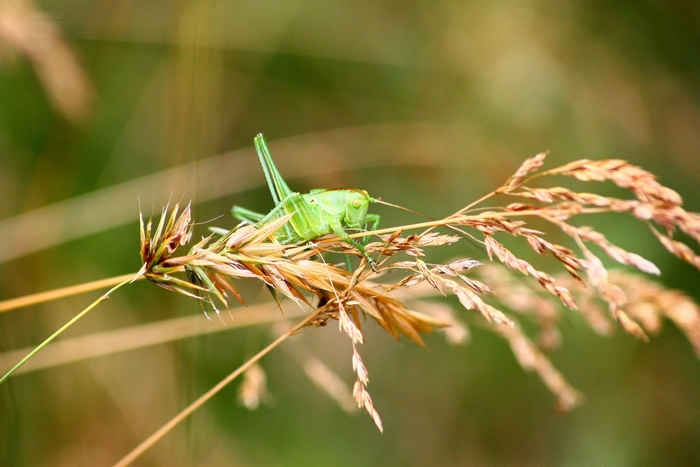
(426, 104)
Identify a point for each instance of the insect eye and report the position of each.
(356, 203)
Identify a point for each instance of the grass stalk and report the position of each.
(42, 297)
(102, 298)
(165, 429)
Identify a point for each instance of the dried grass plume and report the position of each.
(302, 274)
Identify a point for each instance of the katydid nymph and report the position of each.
(315, 214)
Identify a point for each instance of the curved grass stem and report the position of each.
(102, 298)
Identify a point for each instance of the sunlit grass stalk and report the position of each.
(107, 342)
(165, 429)
(70, 323)
(43, 297)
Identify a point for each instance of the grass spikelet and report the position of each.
(532, 359)
(253, 389)
(516, 180)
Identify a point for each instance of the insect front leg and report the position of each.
(371, 223)
(340, 232)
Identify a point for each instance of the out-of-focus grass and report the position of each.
(427, 104)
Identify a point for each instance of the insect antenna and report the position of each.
(459, 231)
(379, 201)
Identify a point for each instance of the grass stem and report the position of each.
(151, 440)
(42, 297)
(102, 298)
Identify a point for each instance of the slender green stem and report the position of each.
(64, 327)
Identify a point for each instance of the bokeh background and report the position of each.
(108, 105)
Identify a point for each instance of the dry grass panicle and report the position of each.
(300, 273)
(502, 293)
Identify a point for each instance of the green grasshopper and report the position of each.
(314, 214)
